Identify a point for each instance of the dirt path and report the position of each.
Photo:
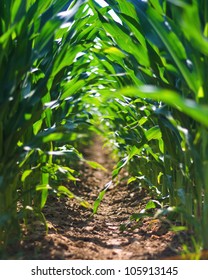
(75, 234)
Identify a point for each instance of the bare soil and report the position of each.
(75, 234)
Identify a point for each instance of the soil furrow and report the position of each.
(110, 234)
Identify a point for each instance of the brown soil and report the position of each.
(74, 233)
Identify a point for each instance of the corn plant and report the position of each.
(70, 69)
(156, 56)
(42, 61)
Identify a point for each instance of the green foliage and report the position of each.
(155, 106)
(139, 80)
(41, 111)
(100, 197)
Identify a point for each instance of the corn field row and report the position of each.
(132, 71)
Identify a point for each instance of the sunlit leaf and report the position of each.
(95, 165)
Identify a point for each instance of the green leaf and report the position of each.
(98, 201)
(150, 205)
(53, 137)
(95, 165)
(114, 51)
(65, 191)
(178, 228)
(44, 196)
(153, 133)
(134, 151)
(187, 106)
(154, 24)
(43, 187)
(132, 179)
(85, 204)
(73, 87)
(25, 174)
